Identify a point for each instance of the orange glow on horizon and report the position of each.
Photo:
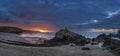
(24, 27)
(41, 29)
(46, 31)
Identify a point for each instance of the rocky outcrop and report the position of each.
(85, 48)
(102, 38)
(64, 36)
(113, 45)
(109, 43)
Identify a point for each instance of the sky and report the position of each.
(52, 15)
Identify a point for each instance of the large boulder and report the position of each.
(64, 36)
(109, 43)
(113, 45)
(102, 37)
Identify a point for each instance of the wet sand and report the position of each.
(65, 50)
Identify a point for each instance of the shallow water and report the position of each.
(37, 37)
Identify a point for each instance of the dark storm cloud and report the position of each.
(73, 14)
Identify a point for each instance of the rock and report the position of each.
(89, 40)
(119, 31)
(94, 43)
(102, 37)
(85, 48)
(117, 51)
(80, 42)
(116, 36)
(109, 43)
(112, 42)
(63, 33)
(72, 44)
(65, 36)
(93, 39)
(113, 45)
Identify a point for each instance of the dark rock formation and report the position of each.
(116, 35)
(108, 43)
(94, 43)
(65, 36)
(113, 45)
(85, 48)
(118, 31)
(102, 37)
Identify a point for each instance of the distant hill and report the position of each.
(16, 30)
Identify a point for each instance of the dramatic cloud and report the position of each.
(53, 14)
(111, 14)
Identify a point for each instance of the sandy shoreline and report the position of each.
(65, 50)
